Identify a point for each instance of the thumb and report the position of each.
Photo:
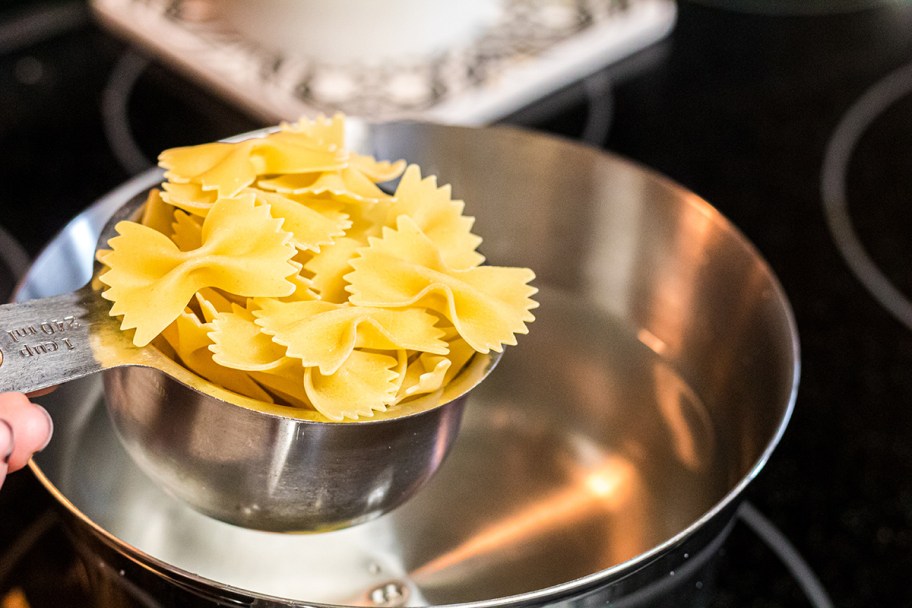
(30, 425)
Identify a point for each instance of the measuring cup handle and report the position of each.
(51, 340)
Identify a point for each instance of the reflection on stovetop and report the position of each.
(754, 112)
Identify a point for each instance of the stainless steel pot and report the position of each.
(603, 458)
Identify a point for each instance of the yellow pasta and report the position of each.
(229, 168)
(286, 382)
(329, 268)
(377, 171)
(151, 280)
(190, 341)
(225, 168)
(322, 334)
(189, 197)
(281, 269)
(186, 232)
(238, 343)
(310, 229)
(366, 382)
(304, 290)
(424, 375)
(156, 213)
(211, 303)
(439, 217)
(488, 305)
(460, 353)
(321, 131)
(347, 185)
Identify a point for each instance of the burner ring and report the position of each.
(874, 102)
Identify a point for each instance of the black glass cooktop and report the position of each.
(796, 127)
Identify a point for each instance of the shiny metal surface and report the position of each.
(606, 451)
(273, 472)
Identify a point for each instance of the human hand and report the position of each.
(25, 428)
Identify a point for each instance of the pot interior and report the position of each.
(658, 376)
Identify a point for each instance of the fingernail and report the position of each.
(50, 427)
(9, 448)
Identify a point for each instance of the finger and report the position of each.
(31, 424)
(42, 392)
(6, 447)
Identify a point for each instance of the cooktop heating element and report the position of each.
(875, 240)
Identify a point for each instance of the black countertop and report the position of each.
(740, 106)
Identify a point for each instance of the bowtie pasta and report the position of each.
(278, 268)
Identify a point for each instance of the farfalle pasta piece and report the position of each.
(304, 290)
(101, 254)
(322, 334)
(189, 197)
(337, 211)
(438, 216)
(243, 252)
(227, 168)
(239, 343)
(328, 132)
(157, 214)
(211, 303)
(378, 171)
(429, 373)
(488, 305)
(329, 267)
(367, 221)
(460, 354)
(190, 340)
(365, 383)
(346, 185)
(289, 152)
(309, 228)
(186, 232)
(424, 375)
(285, 381)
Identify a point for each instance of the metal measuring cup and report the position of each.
(239, 460)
